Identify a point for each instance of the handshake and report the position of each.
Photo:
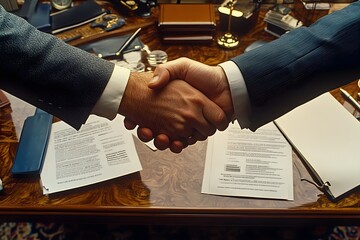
(181, 102)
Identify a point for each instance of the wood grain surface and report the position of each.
(168, 189)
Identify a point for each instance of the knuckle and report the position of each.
(221, 121)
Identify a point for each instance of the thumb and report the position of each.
(216, 116)
(164, 73)
(160, 78)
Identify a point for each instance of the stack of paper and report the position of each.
(280, 23)
(249, 164)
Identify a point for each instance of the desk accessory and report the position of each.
(27, 9)
(32, 144)
(279, 21)
(228, 40)
(156, 57)
(108, 22)
(37, 14)
(109, 46)
(350, 99)
(244, 16)
(76, 16)
(140, 8)
(187, 23)
(41, 17)
(61, 4)
(120, 51)
(326, 136)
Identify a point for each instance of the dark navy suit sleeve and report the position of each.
(302, 64)
(48, 73)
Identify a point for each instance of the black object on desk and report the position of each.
(141, 8)
(79, 15)
(38, 14)
(109, 46)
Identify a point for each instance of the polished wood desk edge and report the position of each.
(68, 209)
(258, 218)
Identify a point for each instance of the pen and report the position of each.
(122, 48)
(350, 99)
(127, 42)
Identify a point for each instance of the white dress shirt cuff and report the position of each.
(239, 93)
(108, 104)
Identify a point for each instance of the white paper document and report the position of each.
(327, 137)
(249, 164)
(99, 151)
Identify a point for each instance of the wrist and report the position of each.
(225, 91)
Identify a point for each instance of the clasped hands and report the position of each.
(183, 101)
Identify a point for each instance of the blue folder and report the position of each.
(41, 17)
(33, 143)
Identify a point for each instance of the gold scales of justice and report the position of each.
(228, 40)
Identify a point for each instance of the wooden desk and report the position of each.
(168, 189)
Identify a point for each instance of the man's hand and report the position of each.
(177, 111)
(210, 80)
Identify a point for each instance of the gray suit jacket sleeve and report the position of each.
(48, 73)
(302, 64)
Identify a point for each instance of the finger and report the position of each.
(204, 129)
(209, 119)
(145, 134)
(162, 141)
(129, 125)
(177, 146)
(216, 116)
(196, 136)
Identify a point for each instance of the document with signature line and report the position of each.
(99, 151)
(249, 164)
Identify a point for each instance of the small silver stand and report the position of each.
(228, 40)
